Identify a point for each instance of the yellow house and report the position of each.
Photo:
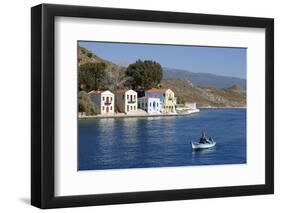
(170, 101)
(167, 99)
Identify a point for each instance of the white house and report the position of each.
(191, 105)
(149, 104)
(126, 100)
(104, 100)
(188, 107)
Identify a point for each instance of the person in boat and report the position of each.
(203, 138)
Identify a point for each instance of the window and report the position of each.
(103, 98)
(111, 108)
(131, 107)
(110, 98)
(123, 96)
(127, 96)
(150, 104)
(128, 108)
(134, 107)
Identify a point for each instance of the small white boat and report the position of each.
(196, 145)
(204, 142)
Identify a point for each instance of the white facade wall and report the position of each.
(105, 101)
(190, 105)
(150, 105)
(131, 101)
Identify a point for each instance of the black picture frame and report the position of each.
(43, 110)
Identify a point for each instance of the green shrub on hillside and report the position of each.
(180, 100)
(144, 74)
(92, 76)
(89, 54)
(86, 105)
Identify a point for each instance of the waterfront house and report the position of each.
(104, 100)
(187, 107)
(190, 105)
(126, 100)
(149, 104)
(167, 99)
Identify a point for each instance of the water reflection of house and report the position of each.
(104, 100)
(149, 104)
(126, 100)
(167, 99)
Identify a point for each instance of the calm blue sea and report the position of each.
(118, 143)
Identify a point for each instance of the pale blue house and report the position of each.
(149, 104)
(167, 99)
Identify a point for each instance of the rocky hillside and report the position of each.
(86, 56)
(186, 90)
(206, 96)
(115, 77)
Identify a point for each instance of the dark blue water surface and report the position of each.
(118, 143)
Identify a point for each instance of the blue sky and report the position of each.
(215, 60)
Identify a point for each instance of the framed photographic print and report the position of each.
(139, 106)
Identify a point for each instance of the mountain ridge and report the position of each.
(204, 79)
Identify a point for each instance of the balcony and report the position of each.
(107, 103)
(131, 101)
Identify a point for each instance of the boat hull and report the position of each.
(202, 145)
